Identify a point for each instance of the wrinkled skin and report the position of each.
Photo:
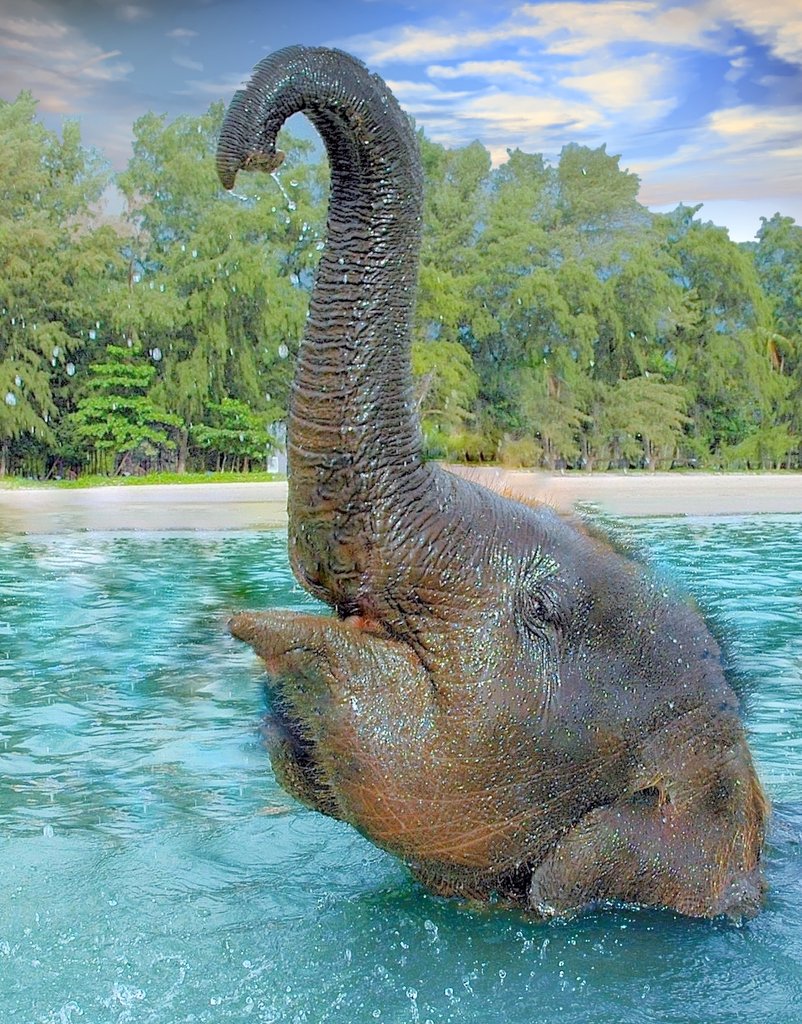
(500, 699)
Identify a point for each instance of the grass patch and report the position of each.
(13, 483)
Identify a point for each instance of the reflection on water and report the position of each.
(152, 871)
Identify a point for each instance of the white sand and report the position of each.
(252, 506)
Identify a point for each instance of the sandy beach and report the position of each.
(256, 506)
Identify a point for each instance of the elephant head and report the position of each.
(500, 698)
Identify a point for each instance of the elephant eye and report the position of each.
(537, 611)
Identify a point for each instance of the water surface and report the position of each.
(151, 869)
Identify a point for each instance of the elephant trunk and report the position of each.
(353, 434)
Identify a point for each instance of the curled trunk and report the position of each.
(353, 434)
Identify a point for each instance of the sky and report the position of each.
(702, 100)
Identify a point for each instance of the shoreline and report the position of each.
(263, 505)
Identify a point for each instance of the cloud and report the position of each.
(766, 131)
(492, 69)
(572, 28)
(181, 34)
(777, 24)
(53, 60)
(185, 62)
(644, 86)
(520, 119)
(501, 120)
(565, 28)
(223, 87)
(413, 44)
(416, 92)
(736, 152)
(133, 13)
(614, 71)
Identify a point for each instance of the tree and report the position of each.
(53, 265)
(447, 389)
(596, 199)
(720, 338)
(642, 421)
(778, 260)
(115, 415)
(554, 415)
(223, 287)
(234, 432)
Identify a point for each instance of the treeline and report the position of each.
(559, 323)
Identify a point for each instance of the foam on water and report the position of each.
(153, 871)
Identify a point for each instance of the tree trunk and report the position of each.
(4, 452)
(183, 446)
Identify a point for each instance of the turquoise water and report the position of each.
(152, 871)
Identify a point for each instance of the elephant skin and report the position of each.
(501, 698)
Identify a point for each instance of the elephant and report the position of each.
(499, 696)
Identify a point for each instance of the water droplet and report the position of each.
(283, 351)
(18, 381)
(291, 204)
(156, 354)
(70, 368)
(93, 332)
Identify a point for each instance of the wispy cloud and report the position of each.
(186, 62)
(777, 25)
(133, 13)
(761, 149)
(643, 85)
(223, 87)
(60, 66)
(181, 34)
(573, 29)
(491, 69)
(566, 28)
(613, 71)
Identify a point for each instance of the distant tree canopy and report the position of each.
(559, 322)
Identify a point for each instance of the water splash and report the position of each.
(291, 204)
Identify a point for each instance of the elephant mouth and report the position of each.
(293, 755)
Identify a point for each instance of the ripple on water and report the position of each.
(153, 871)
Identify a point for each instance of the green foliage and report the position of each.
(116, 414)
(51, 259)
(223, 288)
(559, 323)
(642, 421)
(235, 432)
(447, 384)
